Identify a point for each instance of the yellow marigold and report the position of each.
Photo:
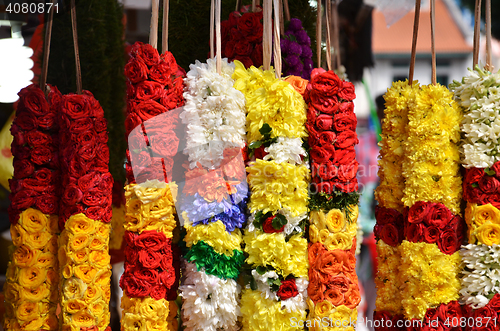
(272, 101)
(136, 311)
(214, 234)
(276, 186)
(488, 234)
(271, 249)
(255, 309)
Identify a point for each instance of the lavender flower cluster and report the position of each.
(296, 51)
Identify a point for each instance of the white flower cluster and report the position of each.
(481, 274)
(298, 302)
(479, 95)
(287, 150)
(291, 225)
(209, 302)
(214, 113)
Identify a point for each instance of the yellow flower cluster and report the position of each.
(278, 185)
(117, 229)
(324, 316)
(483, 223)
(150, 208)
(86, 272)
(31, 288)
(431, 160)
(261, 314)
(387, 279)
(271, 249)
(332, 229)
(398, 99)
(213, 234)
(272, 101)
(148, 314)
(428, 277)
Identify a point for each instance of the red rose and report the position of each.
(23, 168)
(243, 48)
(161, 73)
(48, 203)
(324, 187)
(260, 152)
(386, 215)
(133, 287)
(81, 125)
(257, 56)
(150, 240)
(346, 107)
(472, 175)
(496, 168)
(25, 120)
(489, 184)
(95, 213)
(324, 104)
(495, 302)
(327, 171)
(312, 114)
(347, 91)
(320, 154)
(100, 124)
(76, 106)
(150, 276)
(438, 215)
(448, 242)
(149, 258)
(87, 152)
(164, 145)
(148, 90)
(168, 278)
(348, 171)
(158, 292)
(383, 319)
(418, 212)
(326, 83)
(146, 53)
(229, 50)
(488, 316)
(324, 122)
(288, 289)
(172, 98)
(344, 156)
(326, 138)
(167, 258)
(41, 155)
(413, 232)
(36, 138)
(431, 234)
(32, 99)
(268, 227)
(347, 187)
(250, 26)
(346, 139)
(143, 159)
(430, 315)
(23, 199)
(95, 197)
(87, 137)
(48, 121)
(72, 195)
(494, 199)
(136, 70)
(133, 121)
(451, 312)
(345, 121)
(389, 233)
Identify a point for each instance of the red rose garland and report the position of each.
(31, 288)
(152, 270)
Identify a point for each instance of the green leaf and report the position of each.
(265, 129)
(336, 200)
(255, 144)
(279, 221)
(490, 172)
(261, 270)
(253, 284)
(475, 185)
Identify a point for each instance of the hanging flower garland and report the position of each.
(296, 51)
(85, 213)
(215, 196)
(31, 288)
(154, 86)
(331, 122)
(276, 283)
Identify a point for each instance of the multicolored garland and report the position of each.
(85, 213)
(331, 122)
(151, 276)
(31, 288)
(276, 282)
(296, 51)
(214, 197)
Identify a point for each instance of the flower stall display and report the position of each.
(151, 275)
(214, 197)
(296, 51)
(276, 282)
(331, 123)
(31, 288)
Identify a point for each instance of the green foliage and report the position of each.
(102, 58)
(336, 200)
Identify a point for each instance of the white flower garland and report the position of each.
(214, 113)
(287, 150)
(209, 302)
(479, 95)
(481, 274)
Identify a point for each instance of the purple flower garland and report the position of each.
(296, 51)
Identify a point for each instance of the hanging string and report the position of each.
(267, 34)
(287, 10)
(218, 37)
(153, 28)
(212, 22)
(488, 35)
(336, 42)
(416, 20)
(318, 34)
(433, 41)
(477, 32)
(328, 11)
(282, 19)
(238, 5)
(277, 48)
(254, 5)
(166, 8)
(46, 50)
(77, 53)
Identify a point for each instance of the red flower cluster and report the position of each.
(482, 186)
(385, 321)
(331, 123)
(390, 226)
(288, 289)
(486, 318)
(149, 270)
(332, 276)
(154, 86)
(241, 38)
(35, 150)
(84, 157)
(434, 223)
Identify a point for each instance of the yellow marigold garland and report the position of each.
(148, 314)
(215, 235)
(325, 316)
(332, 228)
(387, 279)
